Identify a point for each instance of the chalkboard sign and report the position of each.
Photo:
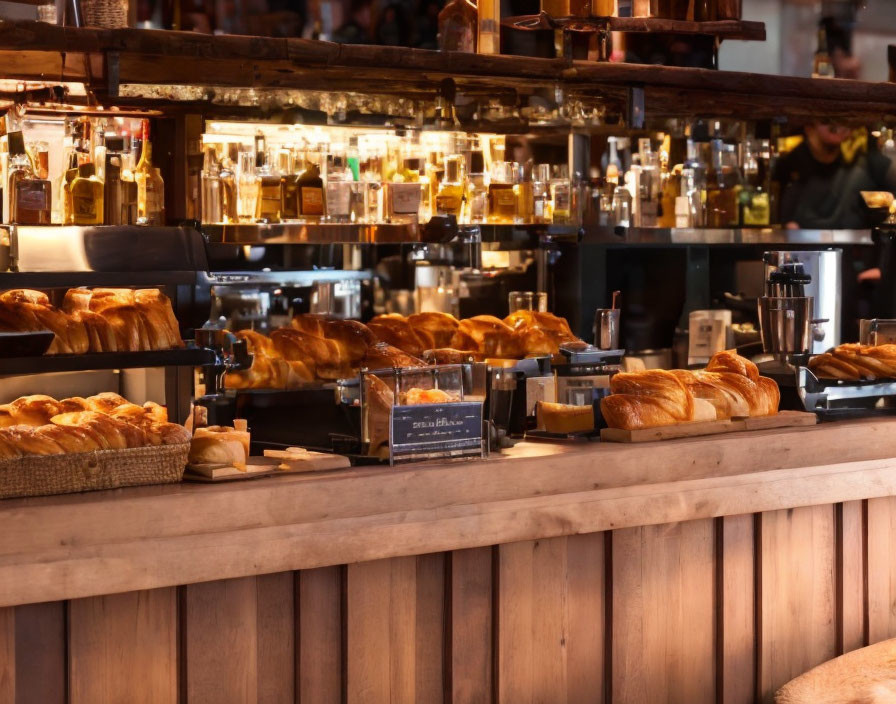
(436, 431)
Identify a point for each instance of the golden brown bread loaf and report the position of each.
(440, 327)
(384, 356)
(488, 336)
(43, 425)
(655, 398)
(101, 320)
(397, 331)
(540, 333)
(853, 362)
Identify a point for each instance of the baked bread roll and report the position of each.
(438, 326)
(446, 355)
(70, 438)
(213, 450)
(384, 356)
(488, 336)
(31, 410)
(106, 402)
(731, 361)
(540, 333)
(25, 310)
(397, 331)
(8, 449)
(159, 314)
(29, 442)
(113, 434)
(853, 362)
(562, 418)
(647, 400)
(417, 397)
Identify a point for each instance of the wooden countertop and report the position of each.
(127, 539)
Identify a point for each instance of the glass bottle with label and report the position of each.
(450, 198)
(150, 187)
(525, 199)
(289, 184)
(822, 66)
(404, 194)
(310, 191)
(269, 192)
(541, 195)
(30, 197)
(722, 187)
(502, 198)
(87, 195)
(477, 191)
(649, 182)
(71, 173)
(754, 201)
(561, 196)
(339, 190)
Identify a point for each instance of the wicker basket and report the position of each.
(43, 475)
(109, 14)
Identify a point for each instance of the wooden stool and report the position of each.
(865, 676)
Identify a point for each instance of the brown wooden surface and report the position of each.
(155, 56)
(123, 647)
(797, 583)
(699, 612)
(118, 542)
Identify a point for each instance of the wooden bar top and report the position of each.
(128, 539)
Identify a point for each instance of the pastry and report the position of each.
(562, 418)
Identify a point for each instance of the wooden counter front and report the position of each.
(700, 570)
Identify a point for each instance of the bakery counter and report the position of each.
(674, 571)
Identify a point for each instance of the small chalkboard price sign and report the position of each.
(448, 431)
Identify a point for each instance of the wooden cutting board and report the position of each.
(274, 462)
(784, 419)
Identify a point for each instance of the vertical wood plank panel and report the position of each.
(7, 654)
(881, 569)
(40, 644)
(550, 627)
(851, 577)
(123, 647)
(586, 560)
(737, 650)
(319, 650)
(797, 611)
(516, 596)
(221, 642)
(381, 607)
(275, 596)
(471, 626)
(663, 626)
(430, 629)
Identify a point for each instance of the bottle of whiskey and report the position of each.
(30, 196)
(450, 198)
(502, 197)
(458, 26)
(822, 67)
(477, 191)
(310, 187)
(541, 195)
(340, 183)
(87, 194)
(561, 196)
(289, 185)
(71, 173)
(150, 187)
(269, 191)
(404, 193)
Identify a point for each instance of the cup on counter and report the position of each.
(500, 405)
(528, 300)
(606, 328)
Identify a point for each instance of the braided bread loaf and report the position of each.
(40, 425)
(729, 387)
(854, 362)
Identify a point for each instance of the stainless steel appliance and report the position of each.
(823, 269)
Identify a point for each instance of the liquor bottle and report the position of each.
(289, 185)
(246, 187)
(30, 197)
(450, 198)
(722, 187)
(561, 196)
(120, 191)
(502, 198)
(705, 10)
(404, 194)
(541, 195)
(339, 190)
(822, 67)
(614, 164)
(212, 211)
(269, 192)
(755, 208)
(87, 195)
(671, 191)
(71, 173)
(524, 188)
(458, 26)
(150, 187)
(476, 196)
(650, 184)
(310, 191)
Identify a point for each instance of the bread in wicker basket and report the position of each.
(43, 475)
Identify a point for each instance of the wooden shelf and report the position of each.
(41, 52)
(723, 29)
